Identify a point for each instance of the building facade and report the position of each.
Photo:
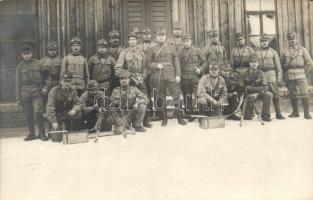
(38, 21)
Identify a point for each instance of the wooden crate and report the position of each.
(212, 122)
(75, 137)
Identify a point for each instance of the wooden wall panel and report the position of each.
(306, 24)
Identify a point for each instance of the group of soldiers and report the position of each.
(133, 82)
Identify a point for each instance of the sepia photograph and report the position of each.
(156, 99)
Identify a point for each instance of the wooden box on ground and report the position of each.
(212, 122)
(75, 137)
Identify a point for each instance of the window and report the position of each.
(260, 16)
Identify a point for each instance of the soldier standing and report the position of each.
(77, 65)
(193, 63)
(28, 88)
(212, 92)
(128, 105)
(51, 64)
(240, 55)
(215, 51)
(233, 90)
(295, 61)
(87, 100)
(101, 67)
(269, 63)
(145, 47)
(255, 87)
(133, 60)
(63, 105)
(165, 67)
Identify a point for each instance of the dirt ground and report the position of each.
(274, 161)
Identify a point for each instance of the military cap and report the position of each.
(132, 34)
(253, 57)
(186, 37)
(291, 35)
(213, 33)
(161, 31)
(92, 84)
(102, 43)
(264, 37)
(123, 73)
(67, 75)
(113, 33)
(146, 30)
(225, 66)
(26, 48)
(52, 45)
(76, 40)
(177, 25)
(239, 35)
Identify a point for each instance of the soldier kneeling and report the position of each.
(256, 87)
(128, 105)
(212, 92)
(63, 105)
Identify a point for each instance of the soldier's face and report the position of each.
(27, 55)
(66, 83)
(264, 43)
(215, 39)
(76, 48)
(177, 31)
(161, 37)
(92, 91)
(214, 71)
(241, 41)
(124, 81)
(146, 37)
(132, 41)
(52, 52)
(254, 64)
(114, 41)
(187, 43)
(292, 42)
(102, 50)
(225, 72)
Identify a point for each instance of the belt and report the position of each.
(296, 67)
(268, 69)
(166, 63)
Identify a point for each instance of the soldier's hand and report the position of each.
(44, 91)
(160, 66)
(136, 106)
(72, 113)
(197, 70)
(177, 79)
(54, 126)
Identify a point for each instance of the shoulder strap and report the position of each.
(187, 57)
(160, 50)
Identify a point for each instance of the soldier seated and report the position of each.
(63, 105)
(128, 105)
(256, 87)
(211, 92)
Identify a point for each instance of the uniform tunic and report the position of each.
(52, 68)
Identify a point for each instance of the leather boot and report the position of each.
(276, 103)
(295, 108)
(180, 119)
(42, 135)
(31, 128)
(164, 119)
(306, 109)
(146, 122)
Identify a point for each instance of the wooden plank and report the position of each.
(238, 15)
(72, 18)
(311, 24)
(90, 28)
(191, 18)
(44, 27)
(231, 20)
(184, 14)
(63, 28)
(81, 20)
(58, 26)
(48, 20)
(280, 28)
(200, 19)
(298, 19)
(306, 24)
(285, 18)
(53, 19)
(291, 15)
(216, 14)
(175, 11)
(224, 28)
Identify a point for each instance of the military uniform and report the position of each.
(269, 63)
(77, 65)
(296, 60)
(176, 40)
(101, 69)
(240, 55)
(215, 52)
(28, 93)
(60, 102)
(255, 84)
(212, 94)
(51, 68)
(165, 54)
(190, 59)
(128, 106)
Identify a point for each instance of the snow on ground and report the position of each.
(274, 161)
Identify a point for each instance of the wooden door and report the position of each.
(140, 13)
